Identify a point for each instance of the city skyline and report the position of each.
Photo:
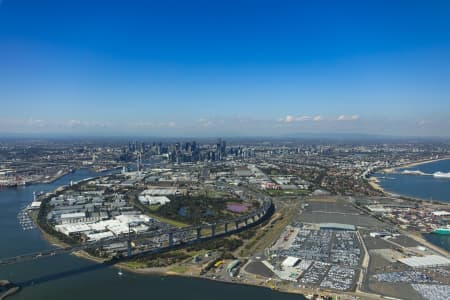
(224, 69)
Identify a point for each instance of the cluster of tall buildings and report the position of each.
(188, 151)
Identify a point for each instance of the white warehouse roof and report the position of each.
(73, 215)
(160, 191)
(337, 226)
(425, 261)
(127, 219)
(290, 261)
(72, 228)
(99, 236)
(441, 213)
(36, 204)
(147, 199)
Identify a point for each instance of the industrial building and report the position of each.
(153, 200)
(161, 191)
(337, 226)
(379, 234)
(290, 261)
(95, 231)
(426, 261)
(233, 267)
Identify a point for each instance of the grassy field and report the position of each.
(154, 207)
(179, 269)
(151, 213)
(268, 233)
(167, 220)
(151, 209)
(136, 264)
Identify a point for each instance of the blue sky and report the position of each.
(208, 68)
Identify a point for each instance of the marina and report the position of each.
(25, 220)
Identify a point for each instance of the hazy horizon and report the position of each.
(305, 137)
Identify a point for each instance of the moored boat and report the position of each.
(442, 230)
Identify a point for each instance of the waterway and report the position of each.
(72, 278)
(424, 187)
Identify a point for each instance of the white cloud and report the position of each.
(204, 122)
(36, 123)
(87, 124)
(318, 118)
(292, 119)
(424, 123)
(348, 118)
(287, 119)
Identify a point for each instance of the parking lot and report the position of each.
(315, 273)
(330, 246)
(317, 212)
(328, 258)
(353, 219)
(345, 249)
(433, 291)
(339, 278)
(404, 277)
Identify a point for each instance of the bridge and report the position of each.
(175, 237)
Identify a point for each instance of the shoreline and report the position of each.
(420, 162)
(9, 289)
(389, 194)
(411, 164)
(304, 292)
(166, 272)
(418, 237)
(40, 181)
(57, 177)
(374, 182)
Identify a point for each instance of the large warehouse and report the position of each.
(425, 261)
(337, 226)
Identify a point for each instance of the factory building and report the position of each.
(290, 261)
(153, 200)
(337, 226)
(426, 261)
